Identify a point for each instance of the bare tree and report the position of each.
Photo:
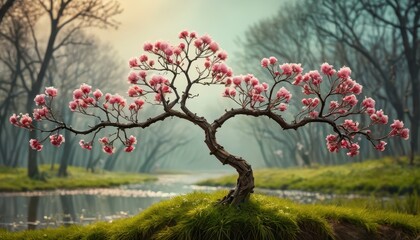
(66, 17)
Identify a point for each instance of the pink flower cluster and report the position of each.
(129, 144)
(160, 85)
(220, 72)
(398, 130)
(35, 145)
(249, 87)
(85, 145)
(334, 144)
(57, 140)
(82, 98)
(107, 147)
(21, 120)
(287, 69)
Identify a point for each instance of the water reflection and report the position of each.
(41, 209)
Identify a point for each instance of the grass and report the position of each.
(195, 216)
(378, 177)
(15, 179)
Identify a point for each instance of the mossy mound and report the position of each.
(196, 216)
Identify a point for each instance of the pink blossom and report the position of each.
(129, 148)
(26, 121)
(381, 146)
(333, 105)
(265, 62)
(169, 52)
(13, 119)
(207, 64)
(87, 146)
(232, 92)
(143, 58)
(108, 149)
(405, 133)
(117, 99)
(85, 88)
(148, 47)
(131, 140)
(351, 100)
(297, 68)
(307, 90)
(181, 46)
(134, 91)
(332, 143)
(368, 103)
(158, 97)
(226, 92)
(344, 72)
(132, 62)
(40, 99)
(97, 94)
(35, 145)
(237, 80)
(133, 78)
(151, 63)
(104, 140)
(265, 86)
(370, 111)
(214, 46)
(283, 93)
(351, 125)
(51, 91)
(38, 114)
(193, 34)
(327, 69)
(139, 103)
(398, 125)
(57, 140)
(183, 34)
(313, 114)
(356, 89)
(258, 88)
(177, 51)
(206, 39)
(222, 56)
(379, 117)
(298, 79)
(353, 149)
(198, 43)
(254, 81)
(287, 69)
(272, 60)
(316, 77)
(73, 105)
(77, 94)
(282, 107)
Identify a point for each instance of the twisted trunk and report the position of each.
(245, 182)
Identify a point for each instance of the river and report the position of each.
(40, 209)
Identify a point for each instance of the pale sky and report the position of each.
(147, 20)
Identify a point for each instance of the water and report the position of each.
(40, 209)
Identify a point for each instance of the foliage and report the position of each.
(194, 216)
(382, 176)
(15, 179)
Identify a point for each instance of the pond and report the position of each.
(40, 209)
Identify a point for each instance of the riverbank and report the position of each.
(385, 176)
(15, 179)
(196, 216)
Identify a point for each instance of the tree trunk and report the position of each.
(245, 182)
(33, 171)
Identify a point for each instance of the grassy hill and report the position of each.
(196, 216)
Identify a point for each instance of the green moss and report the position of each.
(15, 179)
(381, 177)
(196, 216)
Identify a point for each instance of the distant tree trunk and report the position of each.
(6, 6)
(32, 211)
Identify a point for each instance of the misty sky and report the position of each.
(225, 21)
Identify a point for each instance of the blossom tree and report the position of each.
(158, 75)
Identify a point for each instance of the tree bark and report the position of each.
(245, 182)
